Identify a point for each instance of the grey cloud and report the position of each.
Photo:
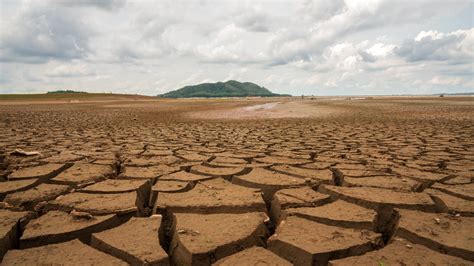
(41, 34)
(254, 21)
(439, 47)
(103, 4)
(322, 9)
(367, 57)
(255, 24)
(350, 17)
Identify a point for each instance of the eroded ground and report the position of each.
(197, 182)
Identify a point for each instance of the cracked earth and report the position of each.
(185, 182)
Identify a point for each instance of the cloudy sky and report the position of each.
(320, 47)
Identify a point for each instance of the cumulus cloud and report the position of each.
(325, 22)
(226, 45)
(38, 33)
(456, 46)
(322, 10)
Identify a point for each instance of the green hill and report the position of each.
(229, 88)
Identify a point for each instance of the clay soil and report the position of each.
(281, 181)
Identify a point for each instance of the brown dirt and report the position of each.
(286, 109)
(253, 256)
(387, 182)
(401, 252)
(97, 204)
(117, 186)
(81, 173)
(225, 172)
(57, 227)
(212, 196)
(68, 253)
(170, 186)
(448, 234)
(382, 180)
(267, 181)
(41, 171)
(136, 242)
(11, 226)
(304, 242)
(465, 191)
(323, 175)
(14, 186)
(150, 173)
(29, 198)
(375, 197)
(338, 213)
(451, 204)
(203, 238)
(185, 177)
(295, 197)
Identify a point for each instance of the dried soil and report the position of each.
(244, 181)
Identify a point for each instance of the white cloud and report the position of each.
(456, 46)
(446, 81)
(226, 45)
(380, 50)
(69, 70)
(434, 35)
(38, 33)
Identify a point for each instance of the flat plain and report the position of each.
(278, 181)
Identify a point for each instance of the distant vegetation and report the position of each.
(70, 96)
(230, 88)
(456, 93)
(64, 91)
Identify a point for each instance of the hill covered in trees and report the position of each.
(229, 88)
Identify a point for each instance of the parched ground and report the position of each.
(339, 181)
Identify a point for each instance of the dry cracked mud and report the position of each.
(377, 181)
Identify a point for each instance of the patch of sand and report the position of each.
(289, 109)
